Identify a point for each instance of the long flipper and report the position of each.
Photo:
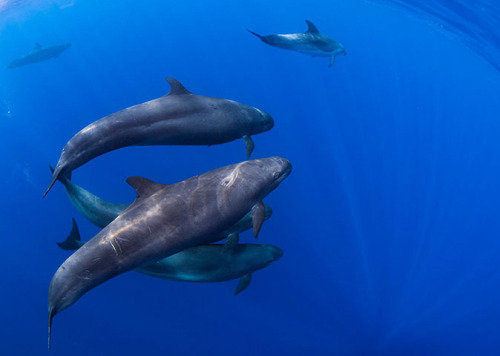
(332, 59)
(231, 243)
(243, 283)
(258, 216)
(249, 144)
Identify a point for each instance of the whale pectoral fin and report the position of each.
(332, 59)
(144, 187)
(231, 243)
(249, 144)
(258, 217)
(243, 284)
(73, 241)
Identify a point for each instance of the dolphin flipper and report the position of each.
(231, 242)
(249, 145)
(258, 217)
(332, 59)
(73, 241)
(243, 283)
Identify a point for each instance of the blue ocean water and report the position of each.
(389, 221)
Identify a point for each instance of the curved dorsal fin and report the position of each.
(38, 45)
(144, 187)
(311, 28)
(176, 88)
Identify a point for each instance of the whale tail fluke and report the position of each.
(51, 315)
(256, 34)
(58, 174)
(55, 175)
(63, 178)
(73, 241)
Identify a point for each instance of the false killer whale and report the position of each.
(101, 212)
(203, 263)
(39, 54)
(178, 118)
(164, 220)
(310, 42)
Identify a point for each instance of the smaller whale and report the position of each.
(178, 118)
(98, 211)
(204, 263)
(39, 54)
(310, 42)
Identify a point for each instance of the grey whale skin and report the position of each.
(101, 212)
(310, 42)
(203, 263)
(178, 118)
(39, 54)
(166, 219)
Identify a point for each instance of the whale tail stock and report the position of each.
(57, 173)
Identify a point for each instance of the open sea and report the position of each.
(389, 222)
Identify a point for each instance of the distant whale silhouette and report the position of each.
(39, 54)
(164, 220)
(178, 118)
(310, 42)
(203, 263)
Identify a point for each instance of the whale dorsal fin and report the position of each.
(176, 88)
(311, 28)
(38, 46)
(144, 187)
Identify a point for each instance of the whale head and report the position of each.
(263, 175)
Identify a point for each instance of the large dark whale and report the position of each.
(39, 54)
(310, 42)
(178, 118)
(166, 219)
(204, 263)
(101, 212)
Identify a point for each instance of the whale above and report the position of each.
(178, 118)
(164, 220)
(310, 42)
(39, 54)
(203, 263)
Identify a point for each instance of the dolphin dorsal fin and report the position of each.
(176, 88)
(311, 28)
(144, 187)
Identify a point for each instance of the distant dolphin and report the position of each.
(39, 54)
(204, 263)
(164, 220)
(179, 118)
(310, 42)
(101, 212)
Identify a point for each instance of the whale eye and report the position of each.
(276, 175)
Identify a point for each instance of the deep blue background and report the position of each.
(389, 221)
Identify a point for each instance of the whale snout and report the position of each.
(285, 168)
(276, 252)
(265, 120)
